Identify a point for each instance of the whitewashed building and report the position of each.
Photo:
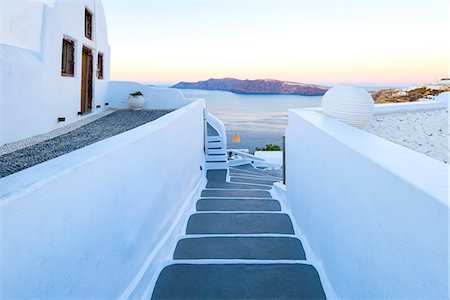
(54, 65)
(442, 81)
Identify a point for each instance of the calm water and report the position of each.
(258, 119)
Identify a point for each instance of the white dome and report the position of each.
(349, 104)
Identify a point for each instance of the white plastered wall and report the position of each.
(33, 92)
(374, 213)
(94, 222)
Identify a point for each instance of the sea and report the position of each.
(258, 119)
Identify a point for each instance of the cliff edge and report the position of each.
(258, 86)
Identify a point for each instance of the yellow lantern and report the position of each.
(236, 138)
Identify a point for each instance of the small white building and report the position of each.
(442, 81)
(418, 86)
(435, 87)
(54, 65)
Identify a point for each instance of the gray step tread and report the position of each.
(236, 193)
(242, 198)
(216, 175)
(239, 223)
(238, 205)
(238, 281)
(255, 175)
(266, 248)
(250, 168)
(228, 185)
(252, 181)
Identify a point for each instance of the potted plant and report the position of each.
(136, 101)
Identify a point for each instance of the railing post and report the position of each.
(284, 159)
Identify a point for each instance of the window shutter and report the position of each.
(100, 66)
(71, 58)
(63, 59)
(88, 24)
(68, 58)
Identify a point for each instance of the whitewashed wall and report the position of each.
(34, 94)
(90, 224)
(155, 98)
(21, 108)
(374, 213)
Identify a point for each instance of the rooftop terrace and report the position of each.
(99, 129)
(424, 131)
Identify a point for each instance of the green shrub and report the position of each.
(269, 147)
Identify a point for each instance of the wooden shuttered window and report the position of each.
(68, 58)
(100, 66)
(88, 24)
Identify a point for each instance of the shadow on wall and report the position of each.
(375, 213)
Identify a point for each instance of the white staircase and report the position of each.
(216, 155)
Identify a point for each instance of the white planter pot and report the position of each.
(136, 102)
(349, 104)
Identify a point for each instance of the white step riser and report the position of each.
(214, 138)
(217, 151)
(215, 144)
(216, 157)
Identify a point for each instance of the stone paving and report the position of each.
(105, 127)
(425, 132)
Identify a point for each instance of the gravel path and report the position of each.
(425, 132)
(105, 127)
(11, 147)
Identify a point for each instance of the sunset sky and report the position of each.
(367, 42)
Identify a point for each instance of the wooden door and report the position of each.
(87, 69)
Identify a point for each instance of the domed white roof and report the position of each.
(349, 104)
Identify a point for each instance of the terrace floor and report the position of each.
(239, 244)
(425, 131)
(107, 126)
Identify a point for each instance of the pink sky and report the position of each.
(370, 42)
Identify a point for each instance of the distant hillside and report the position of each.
(258, 86)
(398, 96)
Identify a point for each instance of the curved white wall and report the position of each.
(375, 213)
(34, 94)
(218, 125)
(89, 224)
(155, 98)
